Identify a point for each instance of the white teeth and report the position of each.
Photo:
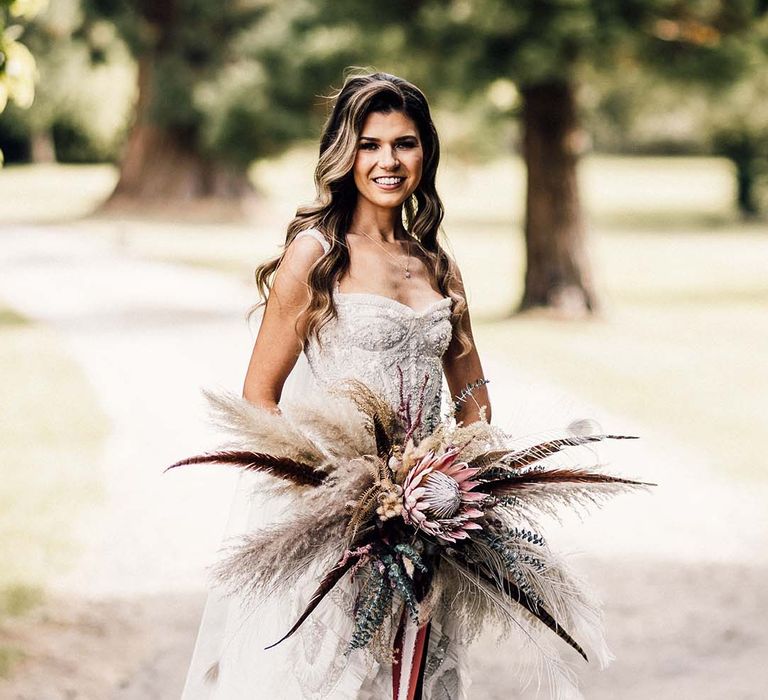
(388, 180)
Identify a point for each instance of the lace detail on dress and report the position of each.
(375, 339)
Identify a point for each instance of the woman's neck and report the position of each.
(377, 222)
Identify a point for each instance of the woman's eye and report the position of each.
(369, 146)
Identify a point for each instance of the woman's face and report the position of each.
(389, 159)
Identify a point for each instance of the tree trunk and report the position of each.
(42, 148)
(557, 272)
(163, 165)
(746, 177)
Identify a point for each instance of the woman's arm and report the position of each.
(277, 345)
(461, 371)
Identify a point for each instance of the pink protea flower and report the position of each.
(438, 496)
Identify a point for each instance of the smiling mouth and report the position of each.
(389, 182)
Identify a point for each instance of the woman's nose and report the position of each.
(387, 158)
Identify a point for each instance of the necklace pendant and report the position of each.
(407, 274)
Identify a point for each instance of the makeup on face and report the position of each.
(389, 158)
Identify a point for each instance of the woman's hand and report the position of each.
(277, 345)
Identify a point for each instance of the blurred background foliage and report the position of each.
(83, 94)
(241, 80)
(184, 96)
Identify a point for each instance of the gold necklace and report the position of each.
(406, 271)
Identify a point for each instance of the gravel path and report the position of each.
(682, 571)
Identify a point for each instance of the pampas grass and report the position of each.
(334, 422)
(259, 429)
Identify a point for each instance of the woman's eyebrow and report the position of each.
(399, 138)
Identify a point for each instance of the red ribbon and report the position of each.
(418, 661)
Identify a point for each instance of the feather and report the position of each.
(529, 455)
(546, 491)
(212, 674)
(544, 577)
(540, 612)
(513, 592)
(282, 467)
(510, 481)
(479, 437)
(326, 585)
(473, 603)
(278, 556)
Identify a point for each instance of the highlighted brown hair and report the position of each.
(331, 212)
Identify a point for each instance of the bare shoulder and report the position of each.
(299, 257)
(291, 283)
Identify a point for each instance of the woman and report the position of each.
(362, 290)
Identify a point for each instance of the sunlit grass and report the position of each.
(52, 193)
(10, 656)
(19, 598)
(52, 431)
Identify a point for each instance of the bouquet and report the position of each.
(447, 522)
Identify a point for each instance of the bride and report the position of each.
(362, 289)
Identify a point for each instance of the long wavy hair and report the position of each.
(331, 212)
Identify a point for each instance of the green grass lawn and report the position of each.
(52, 193)
(681, 280)
(52, 432)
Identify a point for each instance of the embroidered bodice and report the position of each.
(376, 339)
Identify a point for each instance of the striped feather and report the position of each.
(513, 592)
(282, 467)
(522, 458)
(326, 585)
(508, 483)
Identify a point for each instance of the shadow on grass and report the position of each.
(18, 599)
(135, 648)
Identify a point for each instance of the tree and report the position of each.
(544, 47)
(220, 83)
(83, 92)
(738, 124)
(17, 65)
(635, 111)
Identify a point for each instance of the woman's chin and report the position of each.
(386, 200)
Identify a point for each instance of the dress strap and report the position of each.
(319, 237)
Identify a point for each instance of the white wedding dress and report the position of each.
(372, 337)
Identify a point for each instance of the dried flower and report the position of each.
(438, 497)
(390, 502)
